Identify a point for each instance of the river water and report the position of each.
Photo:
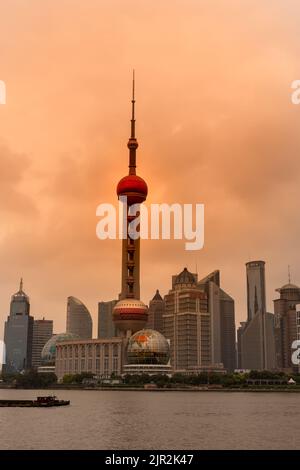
(154, 420)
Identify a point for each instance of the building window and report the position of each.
(106, 367)
(115, 364)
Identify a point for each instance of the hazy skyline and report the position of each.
(215, 125)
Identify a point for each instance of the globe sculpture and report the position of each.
(148, 347)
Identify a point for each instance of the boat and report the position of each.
(42, 402)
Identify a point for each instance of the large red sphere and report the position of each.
(134, 187)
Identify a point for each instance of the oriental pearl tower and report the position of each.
(130, 313)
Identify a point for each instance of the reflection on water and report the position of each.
(154, 420)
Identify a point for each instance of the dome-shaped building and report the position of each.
(148, 351)
(289, 292)
(49, 350)
(148, 347)
(287, 324)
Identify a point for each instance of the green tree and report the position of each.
(68, 379)
(32, 379)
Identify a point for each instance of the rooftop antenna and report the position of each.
(21, 284)
(289, 274)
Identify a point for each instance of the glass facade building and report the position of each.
(79, 320)
(106, 326)
(18, 333)
(42, 332)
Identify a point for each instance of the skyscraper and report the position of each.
(187, 323)
(256, 288)
(106, 326)
(200, 323)
(256, 335)
(42, 332)
(18, 332)
(156, 312)
(239, 344)
(79, 320)
(221, 309)
(130, 313)
(286, 325)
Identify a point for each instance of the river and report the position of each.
(154, 420)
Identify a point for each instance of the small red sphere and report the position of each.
(134, 187)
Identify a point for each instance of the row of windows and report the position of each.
(87, 350)
(87, 366)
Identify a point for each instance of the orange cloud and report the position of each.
(215, 124)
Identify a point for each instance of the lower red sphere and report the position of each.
(130, 314)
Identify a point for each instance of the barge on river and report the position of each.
(41, 402)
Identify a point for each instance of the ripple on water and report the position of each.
(147, 420)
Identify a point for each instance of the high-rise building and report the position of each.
(130, 313)
(187, 323)
(222, 312)
(199, 320)
(18, 332)
(239, 344)
(42, 332)
(156, 312)
(106, 326)
(256, 335)
(79, 320)
(256, 288)
(286, 325)
(257, 342)
(297, 365)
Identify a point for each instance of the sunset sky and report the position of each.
(215, 125)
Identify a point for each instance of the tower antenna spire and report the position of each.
(133, 107)
(289, 274)
(21, 284)
(132, 143)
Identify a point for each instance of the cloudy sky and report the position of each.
(215, 125)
